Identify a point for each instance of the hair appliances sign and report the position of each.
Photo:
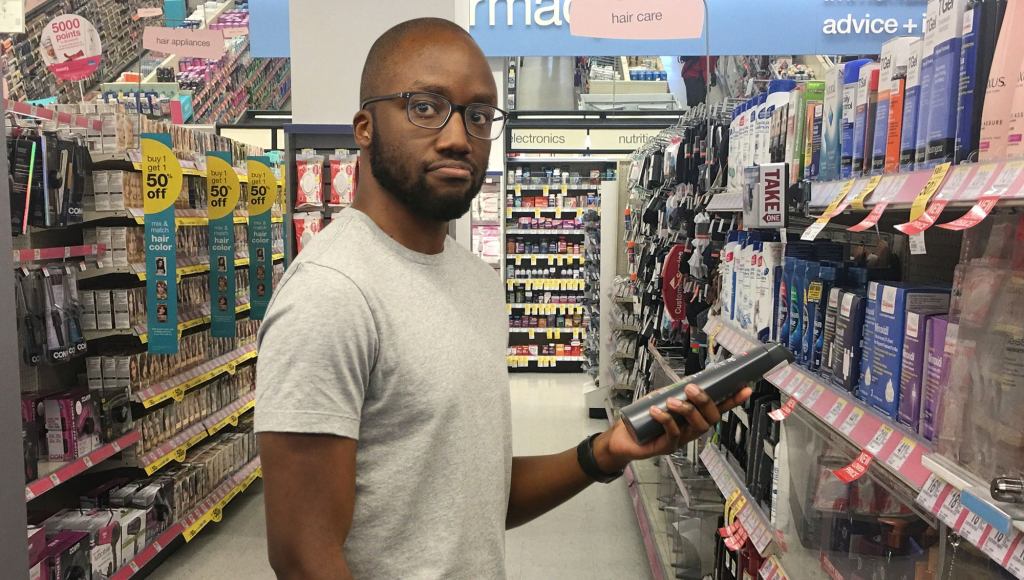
(677, 27)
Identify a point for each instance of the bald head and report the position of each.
(395, 46)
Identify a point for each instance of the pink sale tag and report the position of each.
(637, 19)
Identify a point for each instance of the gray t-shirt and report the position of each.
(404, 352)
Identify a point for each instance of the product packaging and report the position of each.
(832, 123)
(812, 296)
(309, 176)
(796, 115)
(946, 84)
(67, 555)
(1002, 83)
(37, 554)
(72, 428)
(813, 136)
(911, 107)
(864, 120)
(891, 80)
(847, 345)
(307, 225)
(851, 87)
(927, 99)
(796, 301)
(893, 302)
(768, 278)
(981, 31)
(829, 333)
(936, 371)
(343, 174)
(912, 373)
(864, 384)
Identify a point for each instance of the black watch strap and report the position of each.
(588, 463)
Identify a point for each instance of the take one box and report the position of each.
(915, 352)
(892, 303)
(941, 339)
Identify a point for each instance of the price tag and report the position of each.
(858, 201)
(917, 245)
(54, 479)
(973, 528)
(545, 189)
(536, 213)
(851, 422)
(997, 545)
(518, 188)
(889, 191)
(880, 439)
(929, 494)
(813, 397)
(802, 388)
(901, 453)
(784, 411)
(116, 445)
(1015, 562)
(951, 508)
(856, 469)
(87, 461)
(29, 494)
(558, 211)
(826, 216)
(558, 335)
(133, 566)
(531, 334)
(533, 260)
(550, 335)
(930, 188)
(575, 334)
(508, 213)
(834, 412)
(988, 201)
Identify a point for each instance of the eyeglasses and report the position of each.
(432, 111)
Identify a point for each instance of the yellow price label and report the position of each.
(579, 213)
(729, 501)
(510, 284)
(519, 260)
(558, 335)
(508, 309)
(930, 189)
(576, 334)
(536, 213)
(843, 192)
(545, 189)
(532, 334)
(558, 213)
(508, 213)
(858, 202)
(533, 260)
(551, 334)
(518, 189)
(565, 188)
(561, 260)
(179, 453)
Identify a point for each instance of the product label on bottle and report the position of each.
(161, 184)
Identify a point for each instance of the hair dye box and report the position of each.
(915, 354)
(892, 303)
(941, 339)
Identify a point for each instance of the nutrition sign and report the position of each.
(161, 184)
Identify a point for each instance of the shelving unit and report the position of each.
(53, 474)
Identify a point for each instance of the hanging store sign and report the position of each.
(161, 183)
(638, 20)
(737, 27)
(224, 192)
(208, 44)
(262, 193)
(71, 47)
(548, 139)
(621, 139)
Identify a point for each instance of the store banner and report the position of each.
(71, 47)
(208, 44)
(224, 192)
(262, 191)
(161, 183)
(736, 27)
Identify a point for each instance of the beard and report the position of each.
(394, 174)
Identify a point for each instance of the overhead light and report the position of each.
(271, 116)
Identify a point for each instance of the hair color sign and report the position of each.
(224, 193)
(161, 183)
(736, 27)
(262, 193)
(71, 47)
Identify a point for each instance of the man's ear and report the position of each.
(362, 126)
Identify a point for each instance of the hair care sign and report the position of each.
(262, 193)
(161, 184)
(224, 192)
(678, 27)
(71, 47)
(638, 19)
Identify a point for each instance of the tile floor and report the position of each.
(593, 537)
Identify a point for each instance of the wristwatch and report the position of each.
(588, 463)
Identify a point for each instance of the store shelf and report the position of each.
(728, 335)
(71, 469)
(551, 332)
(209, 510)
(516, 361)
(143, 335)
(890, 445)
(548, 283)
(563, 258)
(518, 232)
(176, 387)
(560, 160)
(750, 515)
(974, 493)
(982, 522)
(538, 309)
(176, 448)
(556, 186)
(726, 202)
(80, 121)
(185, 267)
(34, 255)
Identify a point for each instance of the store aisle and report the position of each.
(592, 537)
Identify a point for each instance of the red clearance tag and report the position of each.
(1002, 185)
(856, 469)
(784, 411)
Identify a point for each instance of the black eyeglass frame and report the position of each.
(452, 108)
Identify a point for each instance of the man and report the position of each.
(382, 395)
